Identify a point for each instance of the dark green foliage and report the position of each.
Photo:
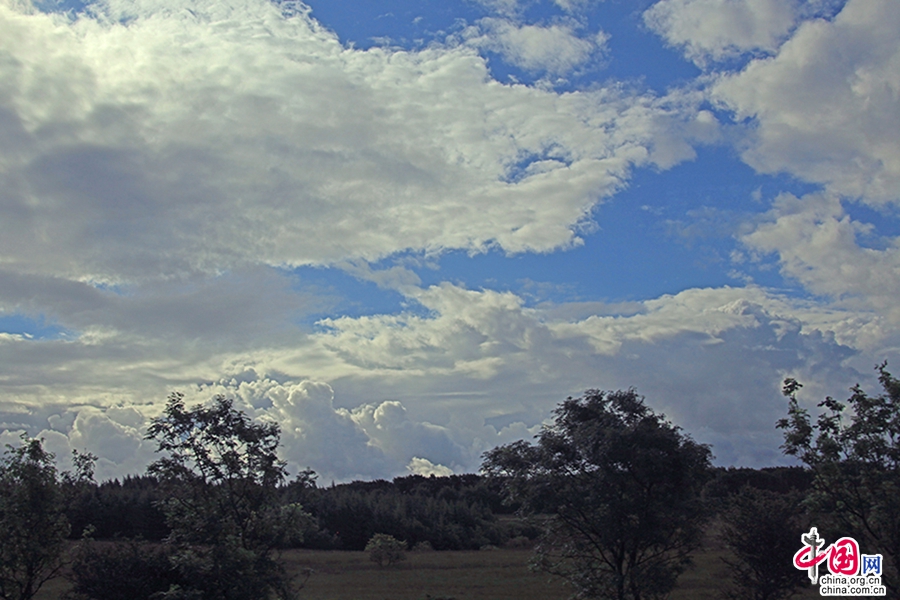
(355, 516)
(853, 450)
(761, 528)
(470, 488)
(451, 513)
(783, 480)
(621, 488)
(221, 475)
(126, 569)
(385, 549)
(33, 528)
(126, 509)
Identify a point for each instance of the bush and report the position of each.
(385, 549)
(132, 570)
(520, 541)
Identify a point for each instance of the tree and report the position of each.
(620, 485)
(756, 527)
(221, 471)
(385, 549)
(33, 527)
(853, 450)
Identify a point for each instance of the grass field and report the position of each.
(488, 575)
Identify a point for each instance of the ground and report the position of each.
(486, 575)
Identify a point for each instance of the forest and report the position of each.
(456, 512)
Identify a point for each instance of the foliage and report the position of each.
(621, 485)
(385, 549)
(451, 513)
(33, 528)
(126, 569)
(761, 528)
(854, 451)
(127, 509)
(727, 482)
(221, 473)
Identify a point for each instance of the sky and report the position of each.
(406, 230)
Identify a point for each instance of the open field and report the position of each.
(494, 575)
(489, 575)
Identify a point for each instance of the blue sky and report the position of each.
(405, 230)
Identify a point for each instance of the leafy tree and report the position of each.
(621, 485)
(33, 527)
(221, 472)
(761, 528)
(854, 451)
(385, 549)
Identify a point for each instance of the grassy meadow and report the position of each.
(501, 574)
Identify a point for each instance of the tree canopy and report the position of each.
(853, 449)
(620, 485)
(33, 526)
(222, 470)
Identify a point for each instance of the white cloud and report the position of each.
(712, 359)
(368, 395)
(514, 7)
(555, 49)
(391, 429)
(819, 245)
(153, 140)
(719, 29)
(505, 7)
(825, 108)
(423, 466)
(370, 440)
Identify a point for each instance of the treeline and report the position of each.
(457, 512)
(448, 513)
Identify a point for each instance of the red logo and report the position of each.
(842, 556)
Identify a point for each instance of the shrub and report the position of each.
(520, 541)
(385, 549)
(131, 569)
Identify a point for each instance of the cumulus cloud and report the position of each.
(556, 49)
(719, 29)
(818, 244)
(195, 139)
(377, 395)
(825, 107)
(423, 466)
(712, 359)
(369, 440)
